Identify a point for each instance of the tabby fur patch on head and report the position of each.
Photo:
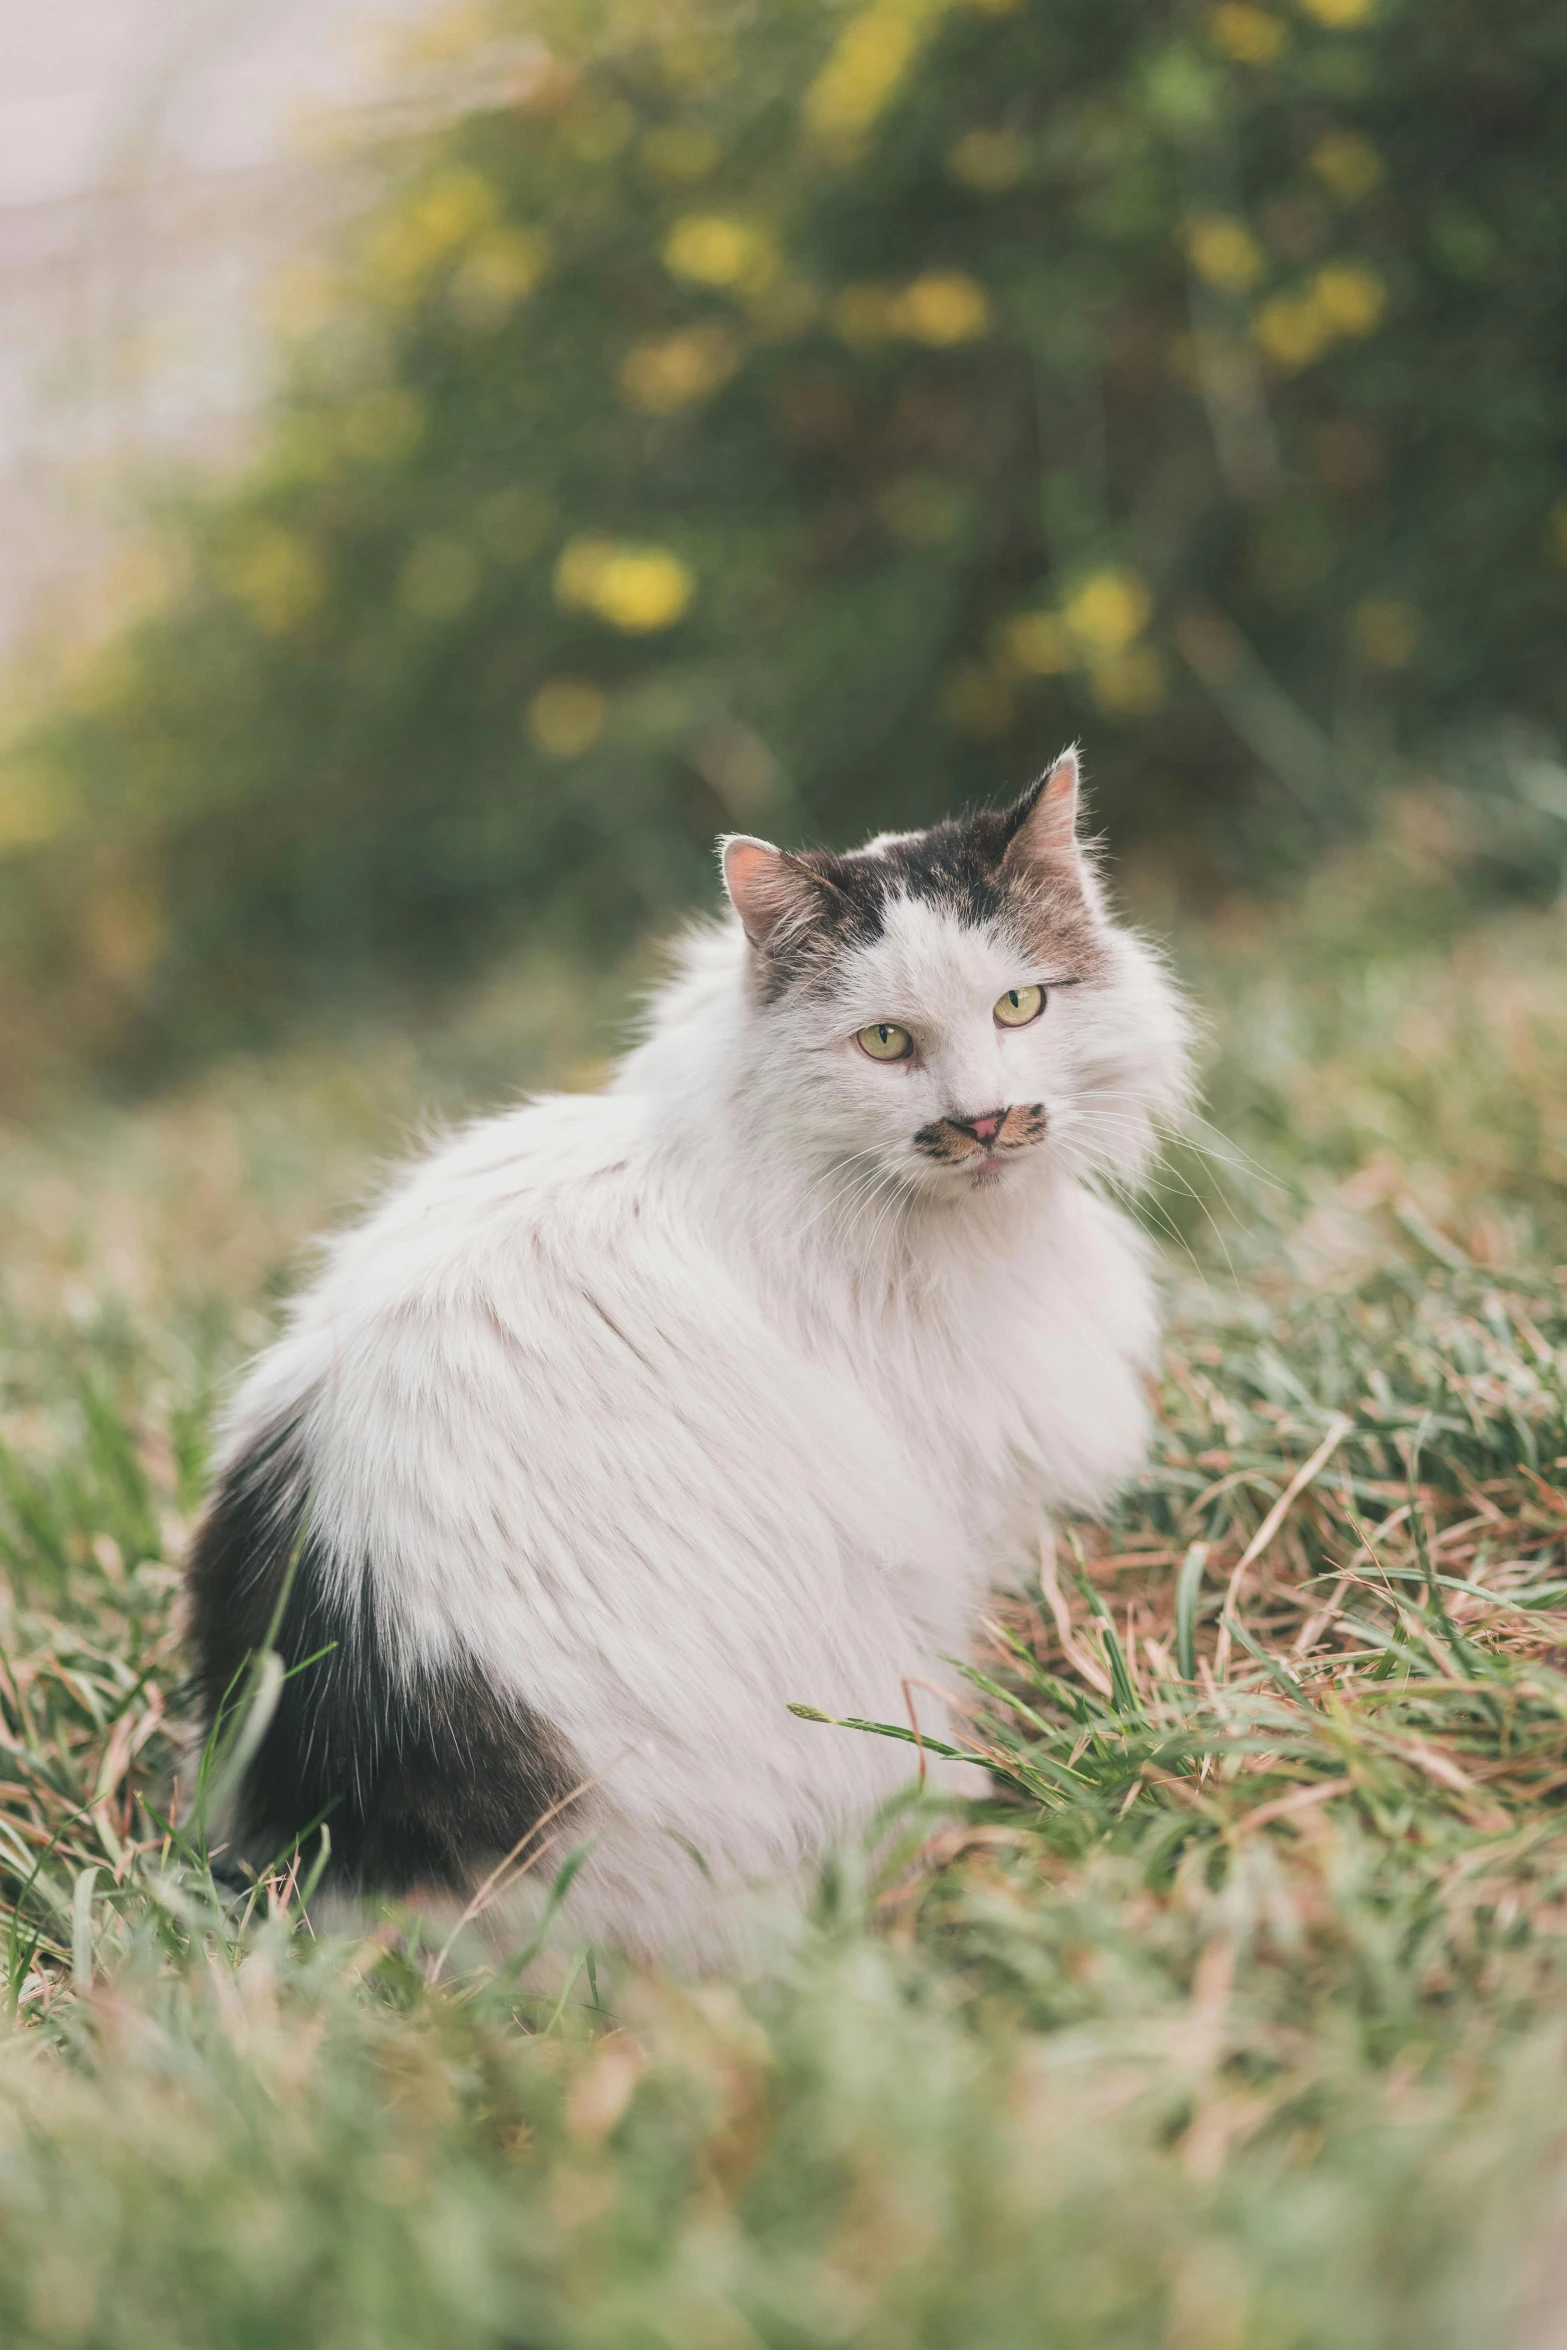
(1016, 868)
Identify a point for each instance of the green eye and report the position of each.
(1020, 1005)
(885, 1042)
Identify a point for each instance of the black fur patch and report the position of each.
(959, 866)
(423, 1778)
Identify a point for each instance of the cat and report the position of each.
(625, 1421)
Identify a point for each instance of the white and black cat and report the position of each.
(625, 1420)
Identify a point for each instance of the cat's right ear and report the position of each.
(775, 896)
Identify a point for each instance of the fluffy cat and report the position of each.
(623, 1421)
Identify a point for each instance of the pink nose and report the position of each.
(984, 1129)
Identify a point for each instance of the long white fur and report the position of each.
(709, 1393)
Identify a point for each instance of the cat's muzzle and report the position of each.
(982, 1144)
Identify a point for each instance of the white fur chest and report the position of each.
(1006, 1379)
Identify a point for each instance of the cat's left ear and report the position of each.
(1043, 825)
(775, 895)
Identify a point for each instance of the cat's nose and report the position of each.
(984, 1128)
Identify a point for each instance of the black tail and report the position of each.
(424, 1776)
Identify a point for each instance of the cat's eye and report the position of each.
(885, 1041)
(1020, 1005)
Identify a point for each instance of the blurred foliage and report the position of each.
(804, 418)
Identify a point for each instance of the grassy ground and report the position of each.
(1237, 2022)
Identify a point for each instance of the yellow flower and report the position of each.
(668, 372)
(1342, 299)
(865, 67)
(1339, 13)
(1223, 251)
(637, 589)
(1350, 298)
(277, 577)
(942, 307)
(1108, 611)
(714, 249)
(566, 716)
(1040, 643)
(988, 160)
(1128, 684)
(1250, 35)
(1385, 632)
(1292, 331)
(1348, 166)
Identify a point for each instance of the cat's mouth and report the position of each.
(952, 1142)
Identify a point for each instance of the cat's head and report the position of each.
(955, 1009)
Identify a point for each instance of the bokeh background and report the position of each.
(472, 472)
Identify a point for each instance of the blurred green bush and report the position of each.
(803, 418)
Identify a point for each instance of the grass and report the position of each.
(1238, 2021)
